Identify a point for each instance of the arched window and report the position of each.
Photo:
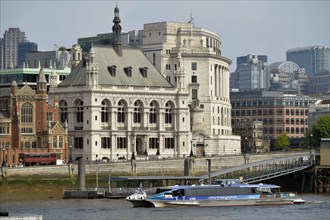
(152, 113)
(63, 111)
(121, 112)
(27, 119)
(137, 112)
(27, 113)
(80, 111)
(168, 113)
(105, 111)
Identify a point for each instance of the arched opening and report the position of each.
(139, 146)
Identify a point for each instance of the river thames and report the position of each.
(316, 207)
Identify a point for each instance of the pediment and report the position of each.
(26, 90)
(200, 137)
(57, 128)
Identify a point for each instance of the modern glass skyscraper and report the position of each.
(312, 58)
(251, 72)
(23, 48)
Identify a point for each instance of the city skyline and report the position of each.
(245, 27)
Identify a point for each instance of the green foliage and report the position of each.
(62, 48)
(282, 142)
(321, 129)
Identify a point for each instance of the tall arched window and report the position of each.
(152, 113)
(137, 112)
(105, 111)
(168, 113)
(121, 112)
(27, 118)
(79, 111)
(27, 113)
(63, 111)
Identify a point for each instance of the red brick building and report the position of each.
(29, 124)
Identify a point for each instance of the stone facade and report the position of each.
(191, 58)
(118, 106)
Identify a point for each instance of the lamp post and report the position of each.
(191, 148)
(70, 154)
(70, 161)
(3, 166)
(310, 144)
(244, 151)
(133, 151)
(3, 155)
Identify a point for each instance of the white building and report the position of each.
(117, 105)
(191, 58)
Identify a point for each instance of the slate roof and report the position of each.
(106, 56)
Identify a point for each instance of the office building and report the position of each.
(251, 73)
(29, 76)
(312, 58)
(320, 83)
(251, 136)
(320, 109)
(9, 45)
(23, 48)
(288, 77)
(59, 59)
(279, 112)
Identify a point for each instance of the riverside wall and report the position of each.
(151, 167)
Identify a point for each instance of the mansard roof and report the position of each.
(106, 58)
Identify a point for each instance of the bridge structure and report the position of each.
(262, 170)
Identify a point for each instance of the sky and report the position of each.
(261, 27)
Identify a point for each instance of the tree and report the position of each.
(320, 129)
(282, 142)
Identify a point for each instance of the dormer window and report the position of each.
(144, 71)
(112, 70)
(128, 71)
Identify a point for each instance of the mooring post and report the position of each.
(209, 169)
(81, 174)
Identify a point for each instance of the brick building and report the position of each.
(278, 112)
(29, 124)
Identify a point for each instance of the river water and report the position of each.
(317, 207)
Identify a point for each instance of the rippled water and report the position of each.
(317, 207)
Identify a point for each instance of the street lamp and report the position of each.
(3, 155)
(245, 147)
(3, 166)
(133, 151)
(70, 154)
(191, 149)
(310, 144)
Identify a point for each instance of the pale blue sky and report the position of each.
(245, 27)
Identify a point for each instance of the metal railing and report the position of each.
(263, 170)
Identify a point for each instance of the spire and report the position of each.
(42, 82)
(116, 29)
(42, 77)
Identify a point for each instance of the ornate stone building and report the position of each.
(118, 106)
(29, 124)
(191, 58)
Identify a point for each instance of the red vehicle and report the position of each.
(30, 159)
